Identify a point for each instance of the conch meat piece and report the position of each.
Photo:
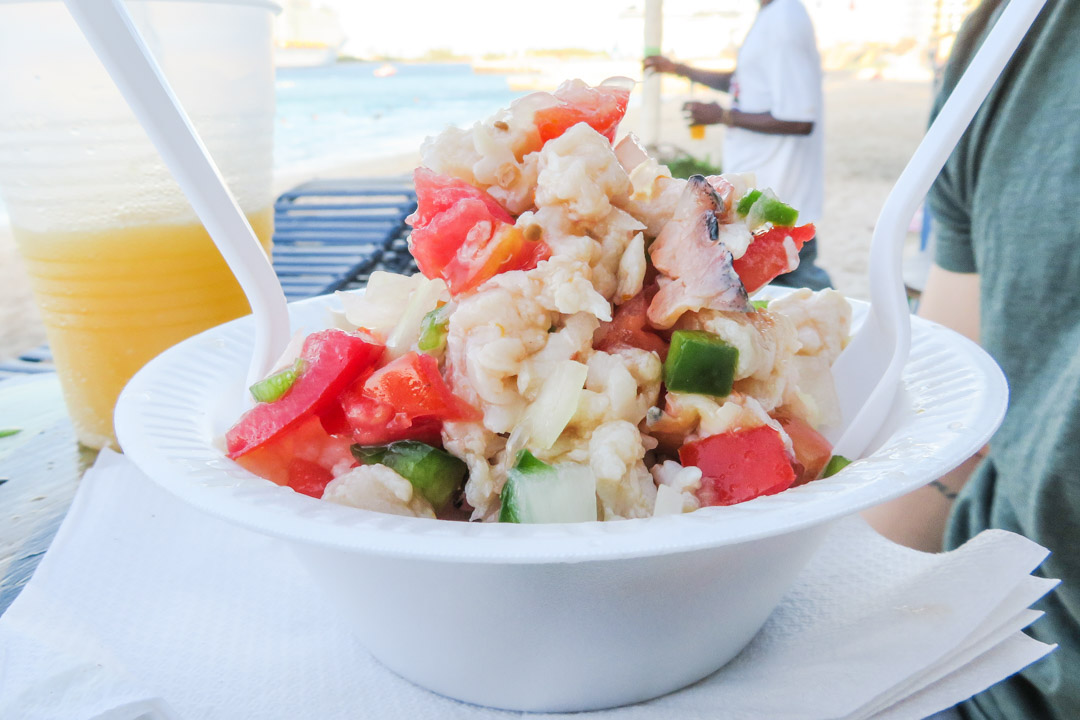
(694, 258)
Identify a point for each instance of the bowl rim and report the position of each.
(953, 398)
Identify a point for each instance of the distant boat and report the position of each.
(384, 70)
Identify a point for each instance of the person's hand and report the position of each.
(660, 64)
(699, 113)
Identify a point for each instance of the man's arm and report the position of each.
(918, 519)
(715, 79)
(713, 114)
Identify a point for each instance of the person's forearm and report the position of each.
(766, 123)
(710, 78)
(917, 520)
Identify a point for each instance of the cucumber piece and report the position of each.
(434, 473)
(836, 464)
(536, 492)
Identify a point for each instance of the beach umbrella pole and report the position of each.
(650, 109)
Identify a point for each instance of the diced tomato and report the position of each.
(376, 423)
(406, 399)
(308, 477)
(630, 327)
(413, 385)
(333, 359)
(740, 465)
(812, 450)
(766, 257)
(601, 107)
(307, 441)
(462, 235)
(333, 419)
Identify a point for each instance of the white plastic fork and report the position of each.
(867, 373)
(117, 43)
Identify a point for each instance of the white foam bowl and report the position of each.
(549, 617)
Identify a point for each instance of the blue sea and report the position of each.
(343, 113)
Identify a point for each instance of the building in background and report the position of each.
(902, 39)
(306, 34)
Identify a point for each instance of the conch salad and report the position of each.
(580, 344)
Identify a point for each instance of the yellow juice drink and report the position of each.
(111, 300)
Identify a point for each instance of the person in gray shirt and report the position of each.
(1007, 274)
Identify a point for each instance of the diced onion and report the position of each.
(669, 501)
(630, 153)
(406, 333)
(380, 306)
(552, 409)
(755, 220)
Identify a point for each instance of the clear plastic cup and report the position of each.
(120, 266)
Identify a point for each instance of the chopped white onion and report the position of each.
(754, 219)
(669, 501)
(406, 333)
(550, 412)
(380, 306)
(630, 153)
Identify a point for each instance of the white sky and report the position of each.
(408, 28)
(400, 27)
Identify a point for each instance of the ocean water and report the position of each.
(343, 113)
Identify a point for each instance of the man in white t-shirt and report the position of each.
(776, 116)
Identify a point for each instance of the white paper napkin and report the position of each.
(144, 607)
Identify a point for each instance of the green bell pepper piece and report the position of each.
(747, 202)
(433, 329)
(700, 362)
(434, 473)
(275, 386)
(767, 209)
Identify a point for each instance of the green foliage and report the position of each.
(684, 166)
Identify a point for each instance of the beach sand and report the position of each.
(871, 129)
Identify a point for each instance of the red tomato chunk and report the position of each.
(405, 400)
(766, 257)
(462, 235)
(308, 477)
(740, 465)
(333, 359)
(812, 450)
(601, 107)
(630, 328)
(306, 442)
